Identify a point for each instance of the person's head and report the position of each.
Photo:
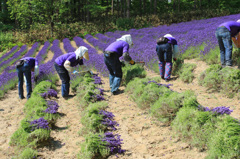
(82, 52)
(238, 20)
(127, 38)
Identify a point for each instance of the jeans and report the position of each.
(164, 52)
(26, 70)
(65, 78)
(114, 67)
(223, 36)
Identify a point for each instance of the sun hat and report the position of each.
(126, 38)
(168, 35)
(82, 51)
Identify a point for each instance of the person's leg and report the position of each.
(65, 78)
(161, 68)
(109, 67)
(20, 83)
(27, 73)
(168, 70)
(227, 41)
(161, 62)
(221, 46)
(117, 69)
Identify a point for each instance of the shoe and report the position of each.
(162, 77)
(115, 92)
(167, 80)
(22, 98)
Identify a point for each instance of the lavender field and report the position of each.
(196, 39)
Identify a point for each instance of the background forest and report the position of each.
(28, 21)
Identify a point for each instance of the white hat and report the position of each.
(126, 38)
(168, 35)
(238, 20)
(82, 51)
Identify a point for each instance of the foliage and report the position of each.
(93, 147)
(132, 71)
(186, 72)
(224, 79)
(28, 153)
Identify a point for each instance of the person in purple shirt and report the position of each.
(224, 33)
(111, 58)
(166, 48)
(65, 63)
(24, 67)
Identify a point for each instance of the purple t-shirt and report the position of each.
(70, 57)
(31, 61)
(232, 26)
(119, 47)
(172, 40)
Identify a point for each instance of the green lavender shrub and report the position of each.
(225, 141)
(91, 119)
(186, 73)
(132, 71)
(93, 147)
(28, 153)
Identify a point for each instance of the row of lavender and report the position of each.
(41, 113)
(98, 124)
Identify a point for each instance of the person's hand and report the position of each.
(132, 62)
(75, 72)
(174, 59)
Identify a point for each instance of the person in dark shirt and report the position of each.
(65, 63)
(166, 48)
(225, 33)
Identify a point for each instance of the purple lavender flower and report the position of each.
(108, 119)
(52, 107)
(113, 142)
(40, 123)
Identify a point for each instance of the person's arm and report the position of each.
(126, 55)
(175, 51)
(67, 65)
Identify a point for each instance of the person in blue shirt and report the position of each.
(166, 48)
(225, 33)
(111, 58)
(65, 63)
(24, 67)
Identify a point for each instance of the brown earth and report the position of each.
(143, 136)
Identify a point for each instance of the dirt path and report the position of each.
(11, 113)
(64, 141)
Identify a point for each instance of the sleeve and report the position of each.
(126, 55)
(175, 51)
(36, 68)
(67, 64)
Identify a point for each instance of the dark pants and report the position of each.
(65, 78)
(223, 36)
(26, 70)
(164, 52)
(114, 67)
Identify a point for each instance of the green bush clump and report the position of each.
(145, 93)
(166, 107)
(225, 80)
(194, 126)
(43, 87)
(132, 71)
(186, 72)
(177, 66)
(225, 141)
(93, 147)
(28, 153)
(92, 119)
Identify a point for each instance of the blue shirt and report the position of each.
(172, 40)
(119, 47)
(70, 57)
(31, 61)
(232, 26)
